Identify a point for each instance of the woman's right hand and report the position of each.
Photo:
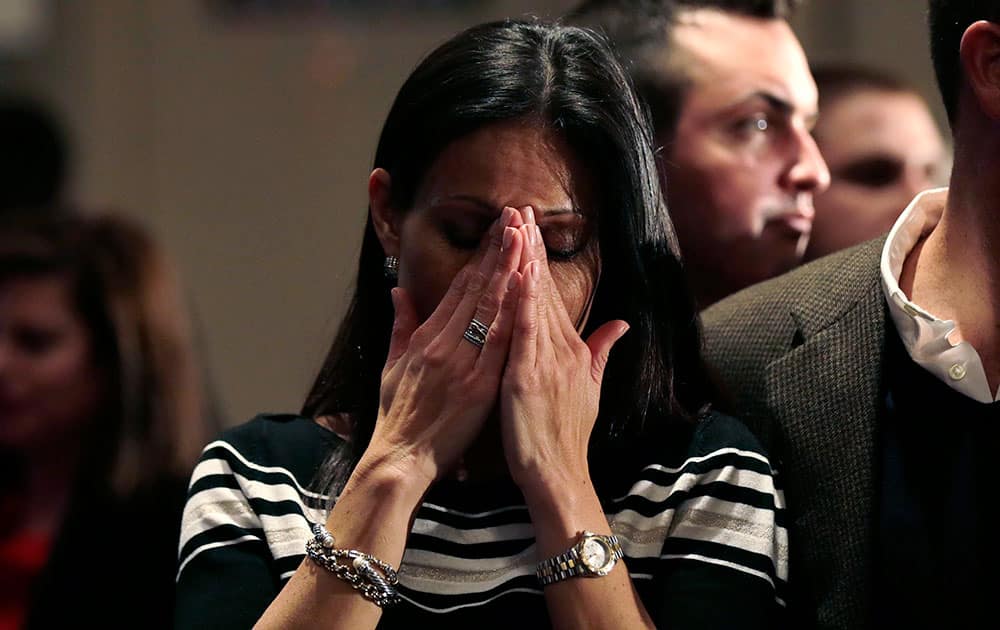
(437, 387)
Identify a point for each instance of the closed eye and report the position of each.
(35, 341)
(463, 224)
(465, 234)
(874, 172)
(565, 235)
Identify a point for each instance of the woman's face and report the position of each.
(49, 383)
(512, 164)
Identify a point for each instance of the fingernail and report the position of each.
(625, 328)
(529, 214)
(529, 234)
(512, 280)
(395, 298)
(506, 216)
(508, 235)
(538, 235)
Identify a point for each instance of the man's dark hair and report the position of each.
(837, 80)
(754, 8)
(640, 30)
(947, 21)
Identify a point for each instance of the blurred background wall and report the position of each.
(245, 142)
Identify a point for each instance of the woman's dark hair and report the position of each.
(153, 421)
(568, 80)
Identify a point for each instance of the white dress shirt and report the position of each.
(924, 335)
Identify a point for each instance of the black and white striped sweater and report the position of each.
(701, 525)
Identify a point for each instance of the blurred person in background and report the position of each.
(101, 419)
(733, 105)
(882, 145)
(488, 432)
(34, 156)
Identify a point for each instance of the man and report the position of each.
(882, 145)
(873, 376)
(733, 104)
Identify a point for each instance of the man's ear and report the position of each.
(980, 53)
(384, 219)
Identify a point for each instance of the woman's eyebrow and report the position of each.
(494, 210)
(558, 211)
(481, 204)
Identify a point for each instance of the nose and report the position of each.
(808, 172)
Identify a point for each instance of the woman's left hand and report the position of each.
(551, 386)
(549, 399)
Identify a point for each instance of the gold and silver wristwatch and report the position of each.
(593, 555)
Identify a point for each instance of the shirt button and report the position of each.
(957, 372)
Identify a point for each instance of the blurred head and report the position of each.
(518, 113)
(95, 349)
(733, 103)
(882, 146)
(34, 156)
(53, 383)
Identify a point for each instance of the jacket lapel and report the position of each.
(825, 396)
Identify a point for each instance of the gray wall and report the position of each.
(246, 145)
(888, 34)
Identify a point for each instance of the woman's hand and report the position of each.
(549, 400)
(437, 387)
(552, 383)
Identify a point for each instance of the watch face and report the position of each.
(595, 554)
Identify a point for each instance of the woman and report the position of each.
(476, 437)
(100, 418)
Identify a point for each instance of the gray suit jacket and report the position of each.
(802, 357)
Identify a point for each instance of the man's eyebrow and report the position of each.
(782, 105)
(772, 100)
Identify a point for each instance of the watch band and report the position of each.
(570, 564)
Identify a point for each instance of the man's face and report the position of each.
(882, 148)
(742, 166)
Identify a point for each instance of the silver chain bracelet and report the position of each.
(374, 579)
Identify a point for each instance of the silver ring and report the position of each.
(476, 333)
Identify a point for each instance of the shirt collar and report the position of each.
(924, 335)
